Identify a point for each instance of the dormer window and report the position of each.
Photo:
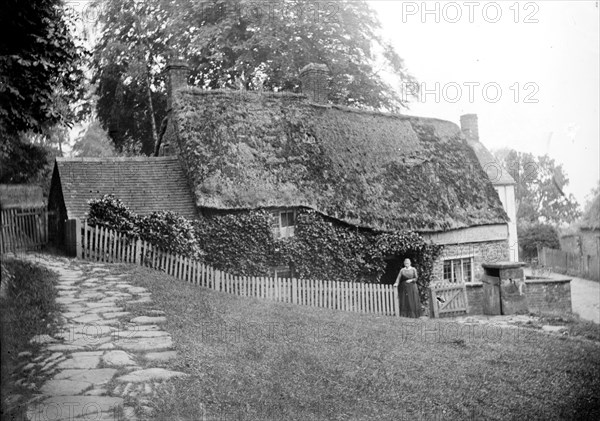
(283, 224)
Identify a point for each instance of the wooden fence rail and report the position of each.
(23, 229)
(104, 245)
(585, 266)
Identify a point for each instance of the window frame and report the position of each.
(461, 260)
(279, 229)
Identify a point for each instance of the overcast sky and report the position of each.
(554, 108)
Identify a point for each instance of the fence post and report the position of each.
(78, 239)
(396, 302)
(138, 252)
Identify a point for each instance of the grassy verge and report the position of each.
(27, 308)
(574, 325)
(256, 359)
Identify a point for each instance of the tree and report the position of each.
(41, 78)
(236, 44)
(591, 212)
(537, 236)
(94, 142)
(40, 69)
(539, 190)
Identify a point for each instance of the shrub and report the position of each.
(170, 232)
(110, 212)
(538, 235)
(165, 229)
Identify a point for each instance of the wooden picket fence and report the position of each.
(585, 266)
(23, 229)
(452, 299)
(105, 245)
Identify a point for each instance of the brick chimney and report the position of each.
(177, 76)
(315, 82)
(469, 126)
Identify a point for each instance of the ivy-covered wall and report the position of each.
(242, 243)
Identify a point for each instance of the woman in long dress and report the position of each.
(408, 292)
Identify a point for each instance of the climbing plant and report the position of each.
(242, 243)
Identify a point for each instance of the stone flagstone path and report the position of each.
(104, 363)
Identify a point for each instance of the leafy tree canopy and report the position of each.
(537, 236)
(41, 87)
(40, 67)
(540, 190)
(238, 44)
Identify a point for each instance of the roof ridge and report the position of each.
(193, 90)
(117, 159)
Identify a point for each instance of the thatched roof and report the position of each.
(143, 184)
(382, 171)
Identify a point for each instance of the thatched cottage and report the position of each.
(366, 170)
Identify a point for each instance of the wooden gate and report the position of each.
(447, 299)
(23, 229)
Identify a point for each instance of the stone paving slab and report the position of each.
(97, 358)
(147, 320)
(150, 374)
(96, 377)
(145, 344)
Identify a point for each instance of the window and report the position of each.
(458, 270)
(286, 219)
(283, 224)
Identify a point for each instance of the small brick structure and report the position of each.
(539, 295)
(545, 295)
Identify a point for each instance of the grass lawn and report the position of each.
(256, 359)
(27, 308)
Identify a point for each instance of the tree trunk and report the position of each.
(151, 109)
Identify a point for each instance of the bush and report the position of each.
(111, 213)
(170, 232)
(534, 236)
(165, 229)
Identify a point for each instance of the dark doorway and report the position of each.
(394, 264)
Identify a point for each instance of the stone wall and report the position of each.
(542, 295)
(475, 298)
(545, 295)
(482, 252)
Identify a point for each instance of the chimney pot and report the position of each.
(315, 82)
(469, 126)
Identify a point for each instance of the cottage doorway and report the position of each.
(392, 268)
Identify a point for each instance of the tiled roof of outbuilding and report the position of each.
(144, 184)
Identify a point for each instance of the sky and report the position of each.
(529, 70)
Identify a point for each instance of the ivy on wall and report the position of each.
(242, 243)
